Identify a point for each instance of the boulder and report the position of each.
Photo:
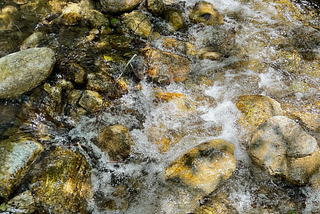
(62, 183)
(24, 70)
(116, 141)
(17, 155)
(163, 67)
(256, 109)
(198, 172)
(139, 23)
(206, 13)
(119, 6)
(280, 147)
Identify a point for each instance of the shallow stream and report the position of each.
(269, 48)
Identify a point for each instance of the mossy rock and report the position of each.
(62, 183)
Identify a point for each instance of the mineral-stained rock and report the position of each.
(139, 23)
(156, 7)
(280, 147)
(204, 167)
(116, 141)
(163, 67)
(21, 204)
(206, 13)
(17, 155)
(119, 6)
(256, 109)
(62, 183)
(176, 46)
(198, 172)
(175, 19)
(24, 70)
(183, 103)
(91, 101)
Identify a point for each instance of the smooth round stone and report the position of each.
(24, 70)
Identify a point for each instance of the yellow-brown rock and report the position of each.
(156, 7)
(62, 183)
(175, 19)
(163, 67)
(203, 167)
(177, 46)
(182, 102)
(206, 13)
(92, 101)
(256, 109)
(196, 173)
(139, 23)
(116, 141)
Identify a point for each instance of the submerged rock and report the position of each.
(163, 67)
(206, 13)
(173, 105)
(91, 101)
(62, 183)
(17, 155)
(138, 23)
(32, 41)
(256, 109)
(24, 70)
(22, 204)
(156, 7)
(280, 147)
(175, 20)
(119, 6)
(116, 141)
(184, 104)
(199, 171)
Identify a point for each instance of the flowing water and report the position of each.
(270, 48)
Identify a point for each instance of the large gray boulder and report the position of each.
(24, 70)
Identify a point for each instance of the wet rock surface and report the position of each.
(206, 13)
(200, 77)
(280, 147)
(164, 67)
(116, 141)
(200, 170)
(138, 23)
(62, 183)
(17, 155)
(119, 6)
(21, 204)
(256, 109)
(24, 70)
